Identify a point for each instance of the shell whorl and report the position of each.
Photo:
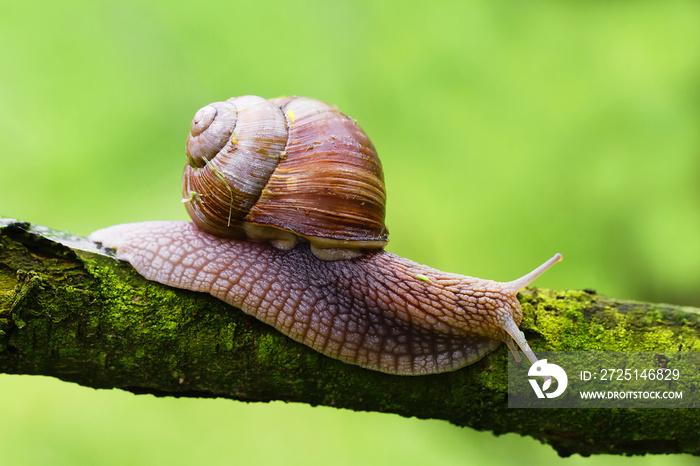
(260, 169)
(232, 150)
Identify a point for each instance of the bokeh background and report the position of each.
(508, 131)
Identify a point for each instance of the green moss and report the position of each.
(577, 320)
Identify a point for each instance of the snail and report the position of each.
(287, 200)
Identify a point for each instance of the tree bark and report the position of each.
(85, 317)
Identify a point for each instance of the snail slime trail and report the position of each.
(287, 201)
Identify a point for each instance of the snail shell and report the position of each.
(284, 168)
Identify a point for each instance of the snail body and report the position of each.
(329, 285)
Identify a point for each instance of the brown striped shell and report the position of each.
(277, 169)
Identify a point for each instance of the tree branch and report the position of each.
(87, 318)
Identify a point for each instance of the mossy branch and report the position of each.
(90, 319)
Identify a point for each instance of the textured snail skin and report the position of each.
(379, 311)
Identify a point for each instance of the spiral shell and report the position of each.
(276, 169)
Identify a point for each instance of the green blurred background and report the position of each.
(508, 131)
